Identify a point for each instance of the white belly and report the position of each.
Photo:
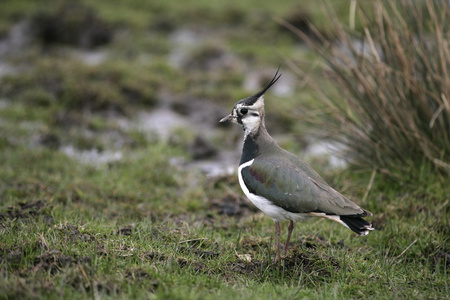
(275, 212)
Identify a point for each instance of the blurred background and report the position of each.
(95, 80)
(98, 80)
(109, 117)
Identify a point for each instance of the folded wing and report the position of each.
(296, 187)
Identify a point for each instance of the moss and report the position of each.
(71, 85)
(37, 96)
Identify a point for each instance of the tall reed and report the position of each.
(389, 98)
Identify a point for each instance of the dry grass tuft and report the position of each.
(389, 97)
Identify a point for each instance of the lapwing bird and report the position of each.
(282, 185)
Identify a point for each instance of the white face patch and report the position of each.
(250, 123)
(250, 115)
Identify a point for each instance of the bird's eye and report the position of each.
(244, 111)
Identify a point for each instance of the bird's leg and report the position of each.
(277, 233)
(290, 229)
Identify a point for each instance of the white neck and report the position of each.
(251, 125)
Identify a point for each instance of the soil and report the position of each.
(53, 261)
(28, 210)
(199, 253)
(73, 24)
(292, 266)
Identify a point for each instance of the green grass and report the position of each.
(177, 244)
(141, 227)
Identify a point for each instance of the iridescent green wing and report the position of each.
(282, 184)
(296, 187)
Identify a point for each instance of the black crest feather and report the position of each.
(252, 99)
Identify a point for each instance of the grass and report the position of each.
(388, 100)
(146, 227)
(101, 232)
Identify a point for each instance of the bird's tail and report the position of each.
(357, 224)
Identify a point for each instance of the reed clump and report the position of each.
(388, 97)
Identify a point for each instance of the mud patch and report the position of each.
(71, 24)
(27, 210)
(201, 148)
(155, 255)
(319, 242)
(202, 113)
(291, 266)
(197, 266)
(49, 140)
(379, 221)
(142, 276)
(311, 262)
(442, 256)
(247, 243)
(14, 256)
(54, 261)
(209, 57)
(199, 253)
(128, 230)
(438, 256)
(73, 234)
(232, 203)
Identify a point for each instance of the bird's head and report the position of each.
(249, 112)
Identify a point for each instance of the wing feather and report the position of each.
(296, 188)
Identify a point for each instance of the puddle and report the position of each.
(183, 41)
(18, 37)
(186, 37)
(93, 156)
(6, 69)
(328, 150)
(224, 163)
(161, 122)
(91, 57)
(4, 103)
(206, 47)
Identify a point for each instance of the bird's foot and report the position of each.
(286, 250)
(276, 261)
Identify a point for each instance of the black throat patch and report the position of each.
(251, 148)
